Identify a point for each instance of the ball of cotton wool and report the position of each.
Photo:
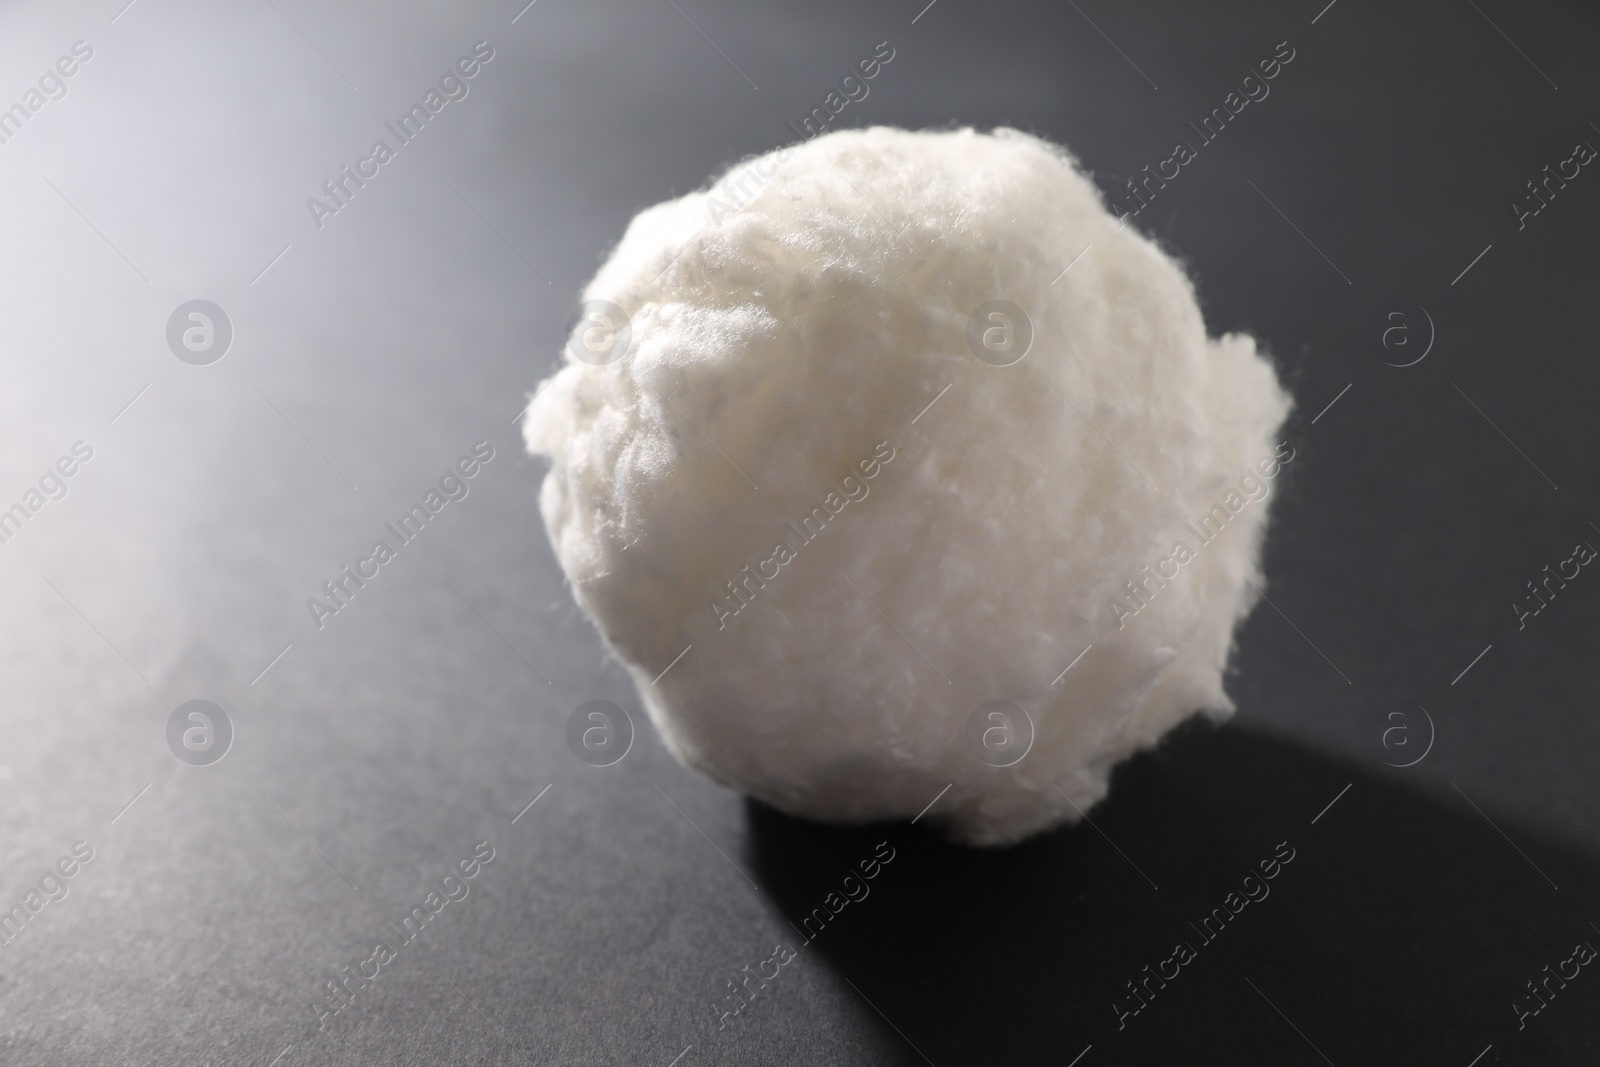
(857, 450)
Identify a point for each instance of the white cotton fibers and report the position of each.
(886, 429)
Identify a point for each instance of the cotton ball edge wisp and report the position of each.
(891, 462)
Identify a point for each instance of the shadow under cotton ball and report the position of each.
(928, 463)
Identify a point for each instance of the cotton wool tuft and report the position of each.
(886, 429)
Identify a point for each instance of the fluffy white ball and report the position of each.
(794, 463)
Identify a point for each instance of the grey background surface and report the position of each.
(369, 354)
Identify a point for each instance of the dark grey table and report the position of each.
(223, 908)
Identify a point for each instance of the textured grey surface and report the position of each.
(380, 749)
